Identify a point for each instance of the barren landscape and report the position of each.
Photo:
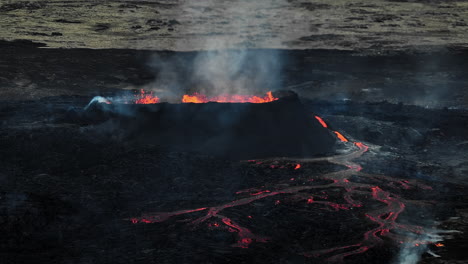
(183, 25)
(273, 131)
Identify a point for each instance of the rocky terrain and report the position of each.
(184, 25)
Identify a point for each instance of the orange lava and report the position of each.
(361, 145)
(340, 137)
(146, 98)
(321, 121)
(196, 98)
(439, 245)
(298, 166)
(338, 134)
(199, 98)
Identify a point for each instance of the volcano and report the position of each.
(224, 177)
(233, 130)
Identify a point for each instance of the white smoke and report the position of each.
(225, 64)
(98, 99)
(410, 254)
(236, 72)
(413, 249)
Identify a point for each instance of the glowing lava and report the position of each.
(199, 98)
(354, 195)
(146, 98)
(321, 121)
(338, 134)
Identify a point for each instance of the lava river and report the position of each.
(355, 193)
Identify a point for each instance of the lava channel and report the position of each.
(354, 194)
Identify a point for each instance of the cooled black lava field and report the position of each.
(315, 175)
(72, 193)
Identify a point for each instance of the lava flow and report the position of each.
(146, 98)
(338, 134)
(199, 98)
(354, 196)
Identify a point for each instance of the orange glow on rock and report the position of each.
(298, 166)
(146, 98)
(199, 98)
(439, 245)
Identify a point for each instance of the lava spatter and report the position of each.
(146, 98)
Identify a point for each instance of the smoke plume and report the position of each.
(225, 65)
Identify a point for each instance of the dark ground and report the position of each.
(428, 79)
(66, 189)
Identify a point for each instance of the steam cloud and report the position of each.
(411, 254)
(225, 66)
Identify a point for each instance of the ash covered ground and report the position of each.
(74, 193)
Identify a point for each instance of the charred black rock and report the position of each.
(234, 130)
